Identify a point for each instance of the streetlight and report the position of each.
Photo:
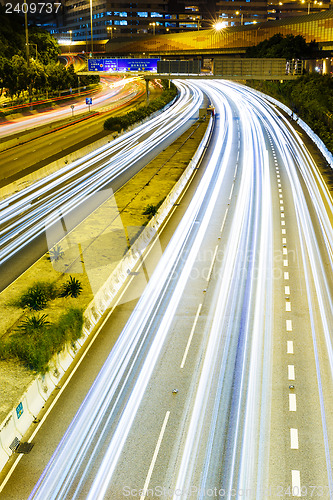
(91, 28)
(153, 25)
(70, 40)
(219, 25)
(314, 3)
(110, 29)
(242, 16)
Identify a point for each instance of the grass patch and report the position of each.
(36, 340)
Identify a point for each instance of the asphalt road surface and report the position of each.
(220, 383)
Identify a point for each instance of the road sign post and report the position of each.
(72, 108)
(89, 101)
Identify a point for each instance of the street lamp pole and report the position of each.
(110, 29)
(26, 32)
(241, 15)
(153, 25)
(70, 40)
(91, 28)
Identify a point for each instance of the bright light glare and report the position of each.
(220, 25)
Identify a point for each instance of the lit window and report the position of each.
(156, 14)
(143, 14)
(121, 14)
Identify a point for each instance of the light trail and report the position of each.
(28, 213)
(111, 92)
(223, 426)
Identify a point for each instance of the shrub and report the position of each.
(117, 123)
(151, 210)
(37, 296)
(33, 323)
(36, 346)
(72, 288)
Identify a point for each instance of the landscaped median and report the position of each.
(97, 257)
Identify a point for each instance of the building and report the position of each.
(118, 19)
(241, 12)
(286, 8)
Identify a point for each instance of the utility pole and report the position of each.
(27, 43)
(26, 32)
(91, 28)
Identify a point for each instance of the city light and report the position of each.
(220, 25)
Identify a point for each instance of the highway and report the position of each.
(112, 89)
(220, 383)
(33, 210)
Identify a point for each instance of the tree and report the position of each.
(288, 47)
(48, 49)
(37, 75)
(18, 77)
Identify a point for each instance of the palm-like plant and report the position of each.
(56, 253)
(72, 288)
(33, 323)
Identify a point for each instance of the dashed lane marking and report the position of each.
(292, 402)
(152, 465)
(290, 347)
(291, 372)
(296, 483)
(294, 439)
(191, 336)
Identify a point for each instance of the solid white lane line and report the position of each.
(212, 264)
(288, 306)
(296, 483)
(287, 290)
(289, 325)
(191, 335)
(286, 275)
(294, 439)
(152, 465)
(290, 347)
(291, 372)
(224, 218)
(232, 188)
(292, 402)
